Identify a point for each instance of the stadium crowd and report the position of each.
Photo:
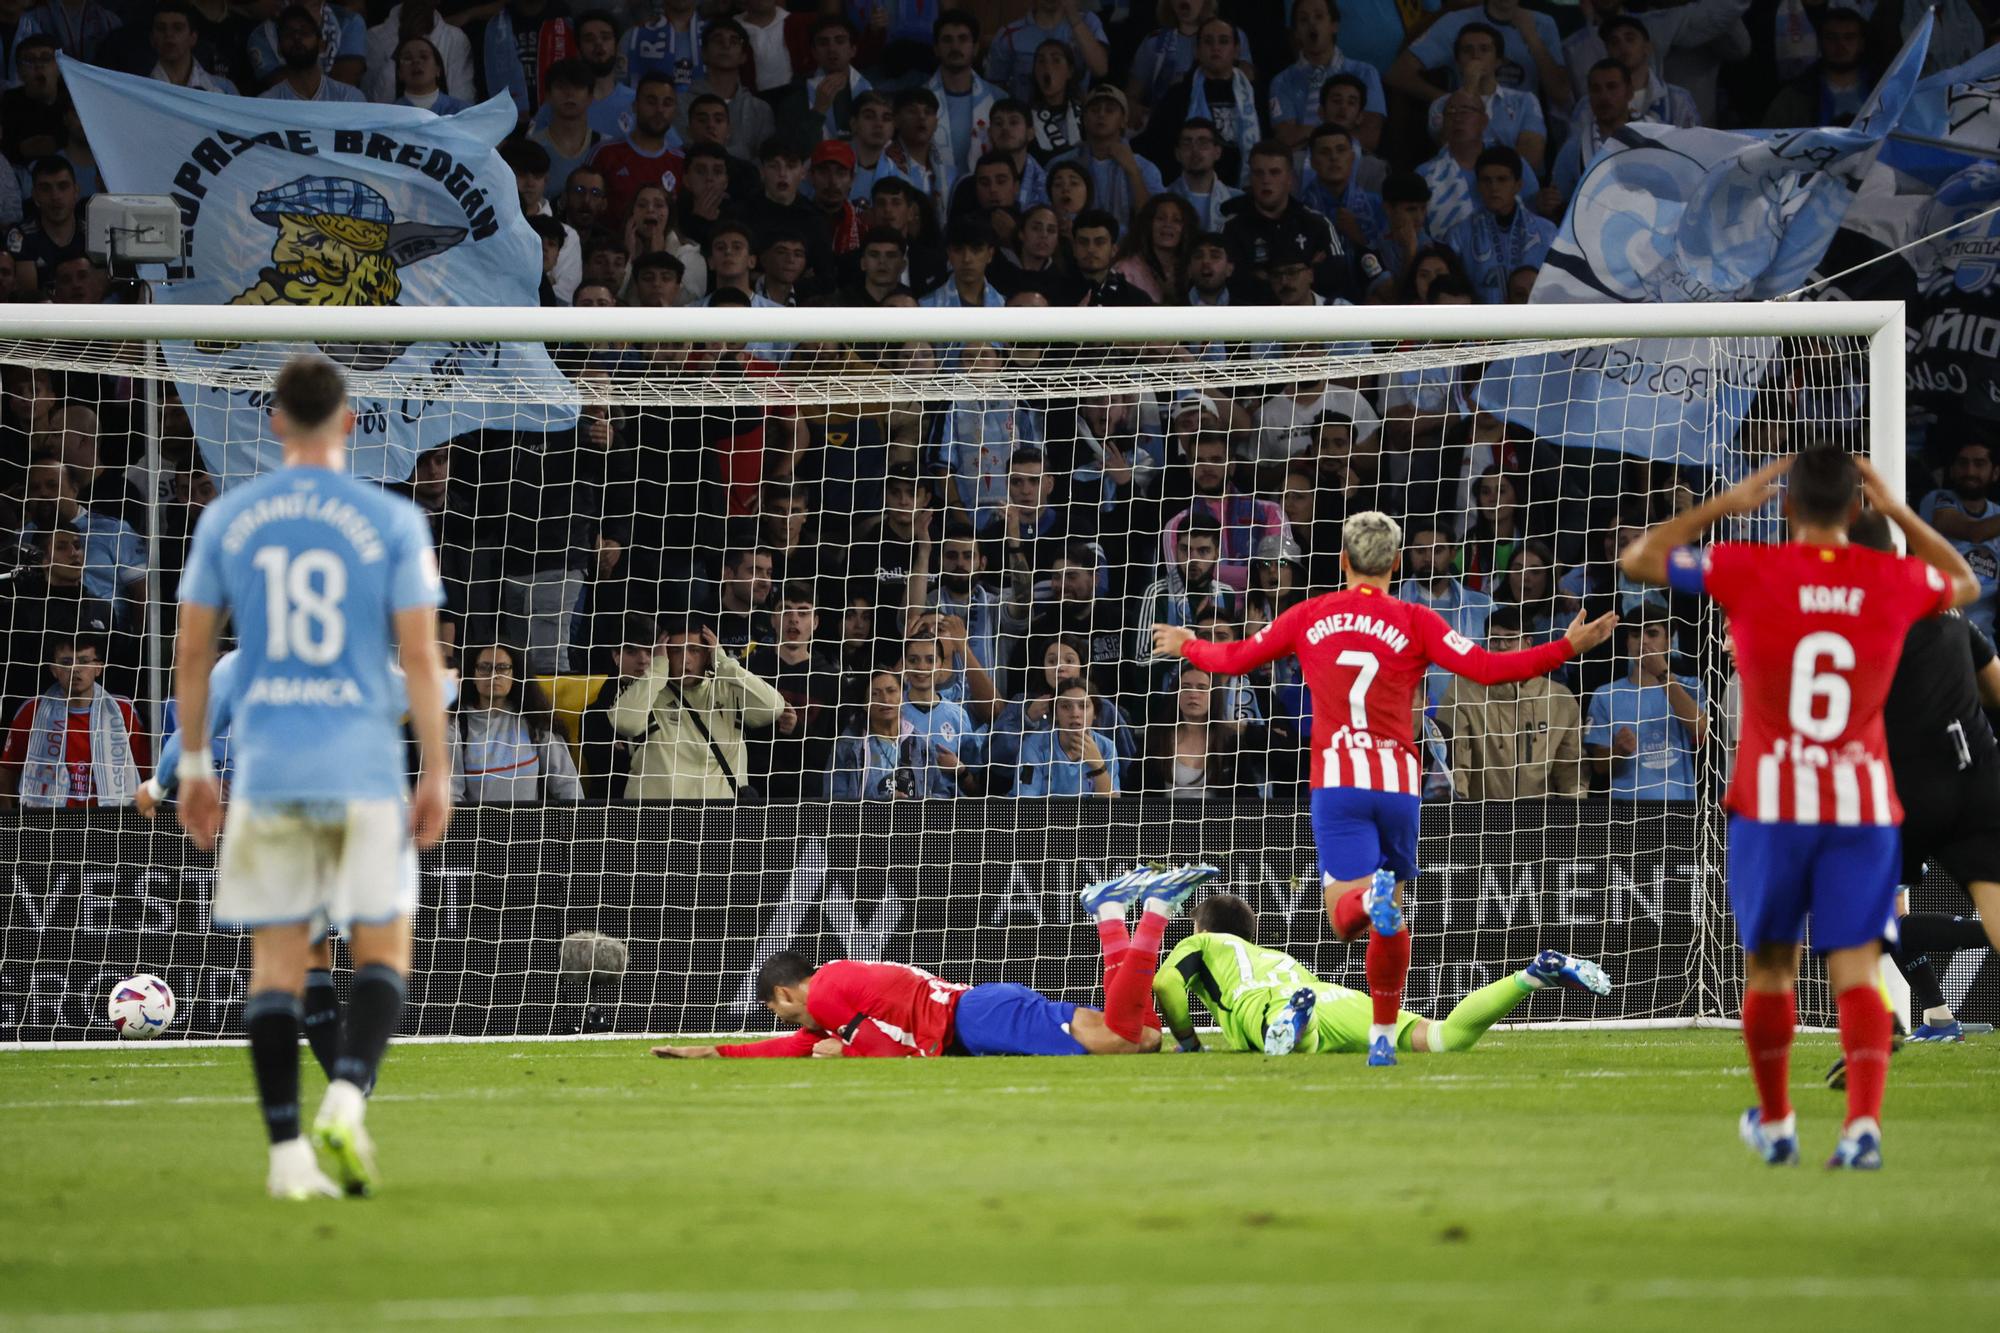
(900, 600)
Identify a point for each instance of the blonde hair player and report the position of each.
(1363, 654)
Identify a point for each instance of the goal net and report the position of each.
(771, 623)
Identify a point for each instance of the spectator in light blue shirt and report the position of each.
(114, 556)
(1168, 52)
(946, 744)
(1010, 60)
(342, 50)
(1331, 190)
(878, 763)
(1069, 759)
(1501, 235)
(418, 69)
(1513, 118)
(1120, 180)
(1428, 560)
(1642, 730)
(1295, 90)
(669, 43)
(1453, 175)
(303, 75)
(1528, 54)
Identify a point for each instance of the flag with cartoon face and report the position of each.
(334, 204)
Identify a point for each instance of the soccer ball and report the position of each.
(140, 1007)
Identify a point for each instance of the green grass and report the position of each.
(1543, 1180)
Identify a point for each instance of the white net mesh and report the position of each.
(908, 552)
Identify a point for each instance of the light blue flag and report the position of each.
(308, 203)
(1962, 103)
(1668, 215)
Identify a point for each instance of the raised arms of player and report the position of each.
(1645, 561)
(1924, 541)
(1455, 653)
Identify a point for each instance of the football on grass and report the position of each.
(140, 1007)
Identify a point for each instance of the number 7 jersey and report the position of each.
(312, 567)
(1817, 631)
(1363, 654)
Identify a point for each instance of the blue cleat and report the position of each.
(1288, 1026)
(1859, 1149)
(1952, 1031)
(1118, 892)
(1775, 1149)
(1382, 1052)
(1559, 969)
(1379, 901)
(1170, 884)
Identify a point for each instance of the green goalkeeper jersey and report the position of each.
(1241, 983)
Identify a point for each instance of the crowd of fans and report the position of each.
(908, 600)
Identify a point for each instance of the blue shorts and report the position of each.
(1360, 832)
(1005, 1019)
(1843, 877)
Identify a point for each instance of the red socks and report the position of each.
(1350, 918)
(1865, 1032)
(1111, 934)
(1128, 978)
(1388, 963)
(1768, 1021)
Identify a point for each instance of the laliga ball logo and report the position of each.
(140, 1007)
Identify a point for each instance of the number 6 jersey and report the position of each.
(1818, 631)
(1363, 654)
(312, 566)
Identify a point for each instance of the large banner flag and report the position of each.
(324, 204)
(1665, 214)
(1937, 174)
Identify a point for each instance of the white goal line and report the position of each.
(218, 1043)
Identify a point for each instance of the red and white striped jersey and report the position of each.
(1363, 654)
(1818, 631)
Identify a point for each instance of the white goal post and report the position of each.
(737, 461)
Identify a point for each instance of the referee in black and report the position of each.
(1947, 769)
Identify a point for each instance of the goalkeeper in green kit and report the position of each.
(1266, 1000)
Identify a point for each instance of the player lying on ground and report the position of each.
(890, 1009)
(1947, 769)
(1364, 654)
(1818, 626)
(1266, 1000)
(322, 575)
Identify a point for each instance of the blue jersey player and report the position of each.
(322, 1000)
(321, 575)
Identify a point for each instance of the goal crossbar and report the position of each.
(1761, 319)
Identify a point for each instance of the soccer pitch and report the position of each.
(1545, 1179)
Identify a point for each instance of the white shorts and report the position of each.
(321, 862)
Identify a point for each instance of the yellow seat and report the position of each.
(570, 695)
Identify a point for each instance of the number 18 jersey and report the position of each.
(312, 566)
(1818, 631)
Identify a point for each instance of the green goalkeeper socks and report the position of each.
(1473, 1015)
